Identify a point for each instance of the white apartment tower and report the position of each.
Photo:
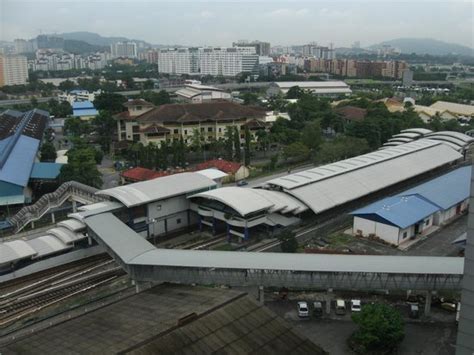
(13, 70)
(123, 49)
(219, 61)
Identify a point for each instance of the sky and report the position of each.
(219, 23)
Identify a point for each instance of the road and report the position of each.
(4, 103)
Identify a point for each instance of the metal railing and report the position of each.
(71, 190)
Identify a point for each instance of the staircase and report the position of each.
(69, 191)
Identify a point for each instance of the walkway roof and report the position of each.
(160, 188)
(133, 249)
(331, 185)
(46, 245)
(399, 211)
(212, 173)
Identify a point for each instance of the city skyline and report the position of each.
(212, 23)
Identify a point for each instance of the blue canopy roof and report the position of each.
(17, 167)
(85, 112)
(447, 190)
(401, 211)
(78, 105)
(46, 171)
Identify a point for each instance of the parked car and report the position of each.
(340, 307)
(317, 309)
(303, 310)
(355, 306)
(414, 310)
(242, 183)
(449, 306)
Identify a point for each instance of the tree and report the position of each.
(76, 127)
(48, 152)
(311, 136)
(248, 139)
(295, 92)
(297, 151)
(109, 102)
(104, 124)
(229, 142)
(34, 101)
(157, 99)
(250, 98)
(237, 151)
(66, 85)
(81, 167)
(289, 244)
(381, 329)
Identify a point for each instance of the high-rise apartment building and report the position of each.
(219, 61)
(261, 48)
(24, 46)
(123, 49)
(13, 70)
(318, 52)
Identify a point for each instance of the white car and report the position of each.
(355, 306)
(303, 310)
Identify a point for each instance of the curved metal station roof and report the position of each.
(46, 245)
(331, 185)
(160, 188)
(246, 201)
(15, 250)
(212, 173)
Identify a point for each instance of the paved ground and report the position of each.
(436, 244)
(331, 334)
(110, 176)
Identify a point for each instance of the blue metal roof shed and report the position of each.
(83, 108)
(45, 171)
(445, 191)
(400, 211)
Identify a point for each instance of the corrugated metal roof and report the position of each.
(19, 163)
(133, 249)
(400, 211)
(85, 112)
(421, 131)
(212, 173)
(311, 84)
(82, 105)
(246, 201)
(15, 250)
(347, 180)
(45, 171)
(46, 245)
(460, 109)
(341, 189)
(447, 190)
(66, 235)
(72, 224)
(160, 188)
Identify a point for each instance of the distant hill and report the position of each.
(96, 39)
(426, 46)
(81, 47)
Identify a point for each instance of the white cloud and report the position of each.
(288, 13)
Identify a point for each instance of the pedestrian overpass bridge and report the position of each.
(144, 262)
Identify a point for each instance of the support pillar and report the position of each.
(328, 301)
(246, 233)
(89, 240)
(200, 223)
(261, 295)
(53, 219)
(428, 303)
(32, 225)
(229, 236)
(74, 206)
(213, 226)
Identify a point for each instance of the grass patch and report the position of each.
(339, 239)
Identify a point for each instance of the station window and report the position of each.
(427, 222)
(209, 129)
(405, 234)
(175, 131)
(138, 108)
(178, 221)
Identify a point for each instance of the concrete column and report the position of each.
(213, 226)
(89, 240)
(246, 233)
(74, 206)
(200, 223)
(53, 219)
(261, 295)
(32, 225)
(428, 303)
(229, 236)
(328, 301)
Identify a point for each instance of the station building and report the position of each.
(417, 211)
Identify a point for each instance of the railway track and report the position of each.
(207, 243)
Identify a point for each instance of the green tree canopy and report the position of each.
(381, 329)
(81, 167)
(104, 125)
(110, 102)
(296, 151)
(48, 152)
(289, 244)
